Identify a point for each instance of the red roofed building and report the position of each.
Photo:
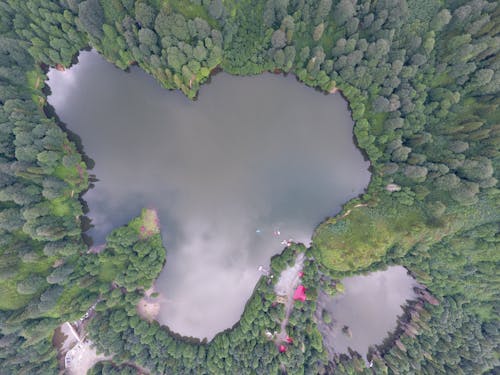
(289, 340)
(300, 293)
(282, 348)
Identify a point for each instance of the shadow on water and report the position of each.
(50, 112)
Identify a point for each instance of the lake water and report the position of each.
(253, 162)
(369, 306)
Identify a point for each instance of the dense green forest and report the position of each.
(422, 82)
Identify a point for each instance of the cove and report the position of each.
(255, 161)
(368, 308)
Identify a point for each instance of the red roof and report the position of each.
(301, 274)
(282, 348)
(289, 340)
(300, 293)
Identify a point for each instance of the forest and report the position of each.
(422, 80)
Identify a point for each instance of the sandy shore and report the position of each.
(333, 90)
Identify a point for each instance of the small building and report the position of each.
(300, 293)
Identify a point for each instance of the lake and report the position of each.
(369, 307)
(255, 161)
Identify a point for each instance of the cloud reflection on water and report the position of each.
(251, 154)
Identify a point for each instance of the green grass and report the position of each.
(354, 242)
(66, 304)
(377, 121)
(10, 299)
(36, 82)
(107, 272)
(72, 176)
(33, 78)
(366, 235)
(147, 224)
(60, 206)
(65, 173)
(150, 221)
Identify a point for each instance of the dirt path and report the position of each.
(350, 210)
(286, 285)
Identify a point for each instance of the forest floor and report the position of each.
(148, 307)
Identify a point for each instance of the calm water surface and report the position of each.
(254, 161)
(369, 307)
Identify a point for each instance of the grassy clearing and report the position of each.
(366, 235)
(71, 292)
(150, 221)
(146, 225)
(65, 173)
(77, 177)
(10, 299)
(107, 272)
(36, 81)
(353, 242)
(61, 206)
